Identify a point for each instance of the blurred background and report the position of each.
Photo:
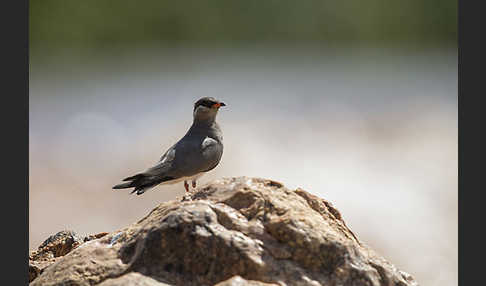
(353, 101)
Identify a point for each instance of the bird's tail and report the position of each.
(140, 182)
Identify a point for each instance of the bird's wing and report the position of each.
(211, 151)
(164, 164)
(208, 142)
(169, 155)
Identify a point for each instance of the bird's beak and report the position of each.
(219, 104)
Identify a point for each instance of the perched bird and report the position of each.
(198, 152)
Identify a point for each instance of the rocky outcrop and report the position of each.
(235, 231)
(54, 248)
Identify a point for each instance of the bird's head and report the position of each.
(206, 109)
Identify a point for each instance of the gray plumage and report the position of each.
(198, 152)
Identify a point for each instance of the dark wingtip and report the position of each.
(123, 186)
(134, 177)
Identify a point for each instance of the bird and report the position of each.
(196, 153)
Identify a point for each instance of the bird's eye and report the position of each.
(207, 103)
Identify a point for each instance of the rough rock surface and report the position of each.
(238, 281)
(235, 231)
(55, 247)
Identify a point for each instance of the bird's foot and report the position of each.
(194, 184)
(186, 185)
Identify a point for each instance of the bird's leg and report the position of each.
(194, 184)
(186, 185)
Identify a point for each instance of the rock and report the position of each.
(132, 279)
(53, 247)
(238, 281)
(94, 236)
(235, 231)
(57, 245)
